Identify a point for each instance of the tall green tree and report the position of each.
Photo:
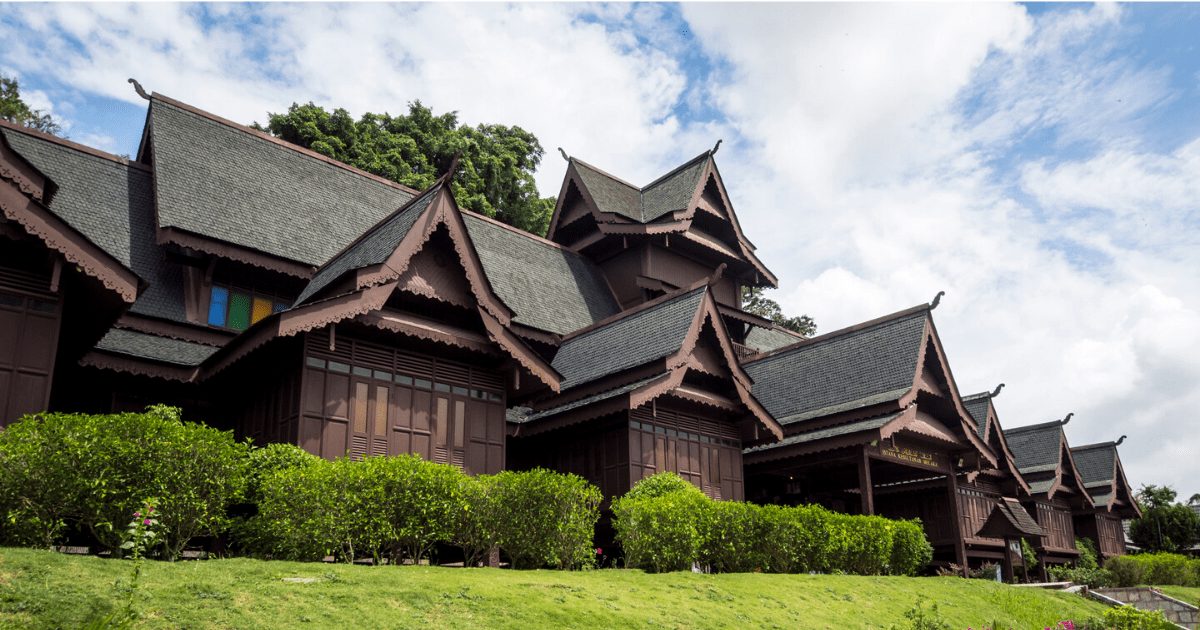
(495, 174)
(753, 301)
(15, 110)
(1165, 524)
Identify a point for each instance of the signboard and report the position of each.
(909, 455)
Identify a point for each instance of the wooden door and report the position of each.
(28, 342)
(370, 406)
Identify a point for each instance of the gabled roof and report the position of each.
(1101, 472)
(1010, 520)
(230, 183)
(107, 201)
(548, 286)
(768, 339)
(983, 413)
(669, 193)
(1044, 458)
(977, 405)
(844, 370)
(631, 340)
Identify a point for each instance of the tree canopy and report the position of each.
(753, 301)
(1165, 524)
(15, 110)
(495, 174)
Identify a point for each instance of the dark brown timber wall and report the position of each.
(363, 399)
(29, 324)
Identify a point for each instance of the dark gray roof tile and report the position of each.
(768, 339)
(374, 248)
(1096, 463)
(1036, 448)
(112, 205)
(548, 287)
(977, 406)
(644, 336)
(665, 195)
(820, 434)
(155, 348)
(842, 371)
(226, 183)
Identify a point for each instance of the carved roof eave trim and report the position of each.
(138, 367)
(966, 424)
(59, 236)
(438, 334)
(231, 251)
(16, 169)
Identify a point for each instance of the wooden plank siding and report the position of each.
(704, 451)
(30, 319)
(1055, 518)
(363, 399)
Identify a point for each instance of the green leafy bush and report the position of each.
(859, 544)
(1159, 569)
(1086, 569)
(422, 502)
(1130, 618)
(1125, 571)
(329, 508)
(267, 460)
(475, 529)
(92, 471)
(798, 538)
(659, 484)
(735, 537)
(911, 551)
(661, 533)
(543, 518)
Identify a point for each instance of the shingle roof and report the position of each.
(227, 183)
(644, 336)
(583, 402)
(821, 434)
(1096, 463)
(977, 406)
(112, 205)
(548, 287)
(768, 339)
(1009, 519)
(1036, 448)
(376, 245)
(841, 371)
(147, 346)
(667, 194)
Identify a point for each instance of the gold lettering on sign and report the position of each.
(910, 455)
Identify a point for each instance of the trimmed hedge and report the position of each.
(1157, 569)
(91, 472)
(669, 527)
(402, 507)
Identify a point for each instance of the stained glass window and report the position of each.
(239, 311)
(217, 305)
(262, 308)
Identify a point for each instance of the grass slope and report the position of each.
(1189, 594)
(44, 589)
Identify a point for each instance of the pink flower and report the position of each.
(137, 515)
(147, 522)
(599, 551)
(150, 509)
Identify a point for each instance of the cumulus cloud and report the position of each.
(875, 153)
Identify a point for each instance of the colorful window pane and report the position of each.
(262, 308)
(279, 307)
(217, 306)
(239, 311)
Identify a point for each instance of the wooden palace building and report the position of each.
(268, 289)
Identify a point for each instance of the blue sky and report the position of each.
(1039, 163)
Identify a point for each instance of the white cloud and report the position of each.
(874, 154)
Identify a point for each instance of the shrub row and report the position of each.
(1158, 569)
(89, 473)
(665, 523)
(401, 507)
(70, 476)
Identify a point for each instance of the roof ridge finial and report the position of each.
(138, 87)
(1067, 419)
(937, 299)
(564, 154)
(996, 392)
(1122, 439)
(717, 274)
(452, 168)
(715, 147)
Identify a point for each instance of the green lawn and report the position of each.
(1189, 594)
(44, 589)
